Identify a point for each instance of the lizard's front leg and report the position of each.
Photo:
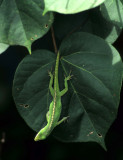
(51, 83)
(66, 85)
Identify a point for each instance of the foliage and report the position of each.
(22, 22)
(85, 42)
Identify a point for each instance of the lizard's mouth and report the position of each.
(39, 137)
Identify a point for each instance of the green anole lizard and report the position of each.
(55, 107)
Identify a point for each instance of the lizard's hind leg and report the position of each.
(62, 120)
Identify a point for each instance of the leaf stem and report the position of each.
(54, 41)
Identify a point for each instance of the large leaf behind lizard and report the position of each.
(93, 96)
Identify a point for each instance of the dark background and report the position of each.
(16, 138)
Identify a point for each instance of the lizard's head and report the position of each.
(39, 137)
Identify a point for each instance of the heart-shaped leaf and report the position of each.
(21, 22)
(93, 97)
(95, 88)
(70, 6)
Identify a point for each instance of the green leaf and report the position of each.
(3, 47)
(93, 97)
(21, 22)
(95, 88)
(112, 10)
(92, 21)
(70, 7)
(97, 25)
